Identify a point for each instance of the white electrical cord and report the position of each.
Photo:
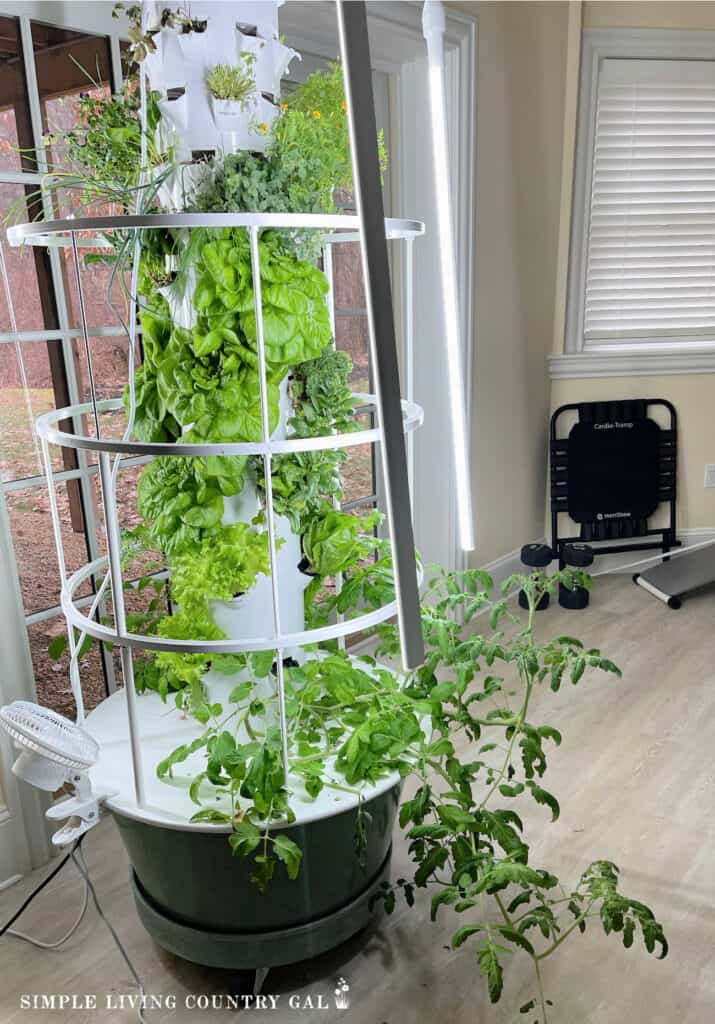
(82, 868)
(76, 854)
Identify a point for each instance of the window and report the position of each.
(41, 362)
(642, 273)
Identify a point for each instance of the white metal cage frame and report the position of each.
(96, 232)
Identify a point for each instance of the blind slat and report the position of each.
(651, 245)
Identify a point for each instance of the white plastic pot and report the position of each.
(237, 123)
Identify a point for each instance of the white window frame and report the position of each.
(618, 357)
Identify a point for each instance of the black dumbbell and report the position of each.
(576, 556)
(535, 556)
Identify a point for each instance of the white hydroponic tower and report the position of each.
(191, 894)
(244, 32)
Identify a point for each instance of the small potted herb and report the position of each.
(232, 91)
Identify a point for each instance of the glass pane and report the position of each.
(33, 539)
(128, 65)
(71, 65)
(25, 363)
(347, 276)
(136, 561)
(104, 302)
(52, 674)
(358, 473)
(358, 469)
(351, 336)
(109, 366)
(15, 125)
(21, 269)
(68, 63)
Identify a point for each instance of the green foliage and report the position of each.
(464, 845)
(353, 722)
(311, 143)
(307, 158)
(321, 394)
(296, 322)
(323, 404)
(333, 541)
(181, 500)
(207, 378)
(219, 568)
(368, 582)
(101, 156)
(233, 81)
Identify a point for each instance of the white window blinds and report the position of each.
(651, 241)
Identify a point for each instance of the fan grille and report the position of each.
(47, 733)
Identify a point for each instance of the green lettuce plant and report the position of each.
(223, 564)
(333, 542)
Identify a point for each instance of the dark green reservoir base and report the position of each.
(196, 900)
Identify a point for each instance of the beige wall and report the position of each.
(693, 396)
(520, 96)
(523, 91)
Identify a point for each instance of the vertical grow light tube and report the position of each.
(433, 29)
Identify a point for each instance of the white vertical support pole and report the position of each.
(330, 299)
(120, 619)
(270, 517)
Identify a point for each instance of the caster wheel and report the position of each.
(674, 603)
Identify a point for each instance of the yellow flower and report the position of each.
(263, 127)
(343, 105)
(284, 106)
(317, 115)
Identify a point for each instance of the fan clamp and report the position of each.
(54, 752)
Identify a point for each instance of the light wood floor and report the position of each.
(635, 776)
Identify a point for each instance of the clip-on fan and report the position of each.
(53, 751)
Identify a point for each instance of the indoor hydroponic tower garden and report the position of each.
(230, 759)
